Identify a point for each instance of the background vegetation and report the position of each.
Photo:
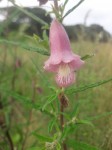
(24, 86)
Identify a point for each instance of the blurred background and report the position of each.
(91, 15)
(89, 28)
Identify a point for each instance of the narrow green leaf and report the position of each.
(75, 110)
(51, 124)
(45, 37)
(35, 148)
(29, 48)
(50, 99)
(63, 7)
(30, 14)
(99, 116)
(81, 145)
(66, 1)
(26, 101)
(87, 56)
(44, 43)
(72, 126)
(86, 87)
(65, 132)
(42, 138)
(87, 122)
(73, 8)
(21, 98)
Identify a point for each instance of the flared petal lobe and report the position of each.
(62, 60)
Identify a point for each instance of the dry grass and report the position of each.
(100, 99)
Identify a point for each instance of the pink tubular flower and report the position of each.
(62, 60)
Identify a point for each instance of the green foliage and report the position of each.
(30, 104)
(52, 123)
(86, 87)
(73, 8)
(42, 138)
(87, 56)
(48, 105)
(7, 22)
(35, 148)
(30, 14)
(50, 99)
(40, 50)
(42, 42)
(80, 145)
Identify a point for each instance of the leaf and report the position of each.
(34, 148)
(42, 138)
(44, 43)
(42, 51)
(87, 122)
(45, 37)
(26, 101)
(23, 99)
(71, 126)
(73, 8)
(50, 99)
(30, 14)
(81, 145)
(65, 132)
(75, 110)
(85, 87)
(62, 8)
(66, 1)
(51, 124)
(99, 116)
(58, 146)
(16, 138)
(87, 56)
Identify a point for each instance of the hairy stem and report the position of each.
(63, 104)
